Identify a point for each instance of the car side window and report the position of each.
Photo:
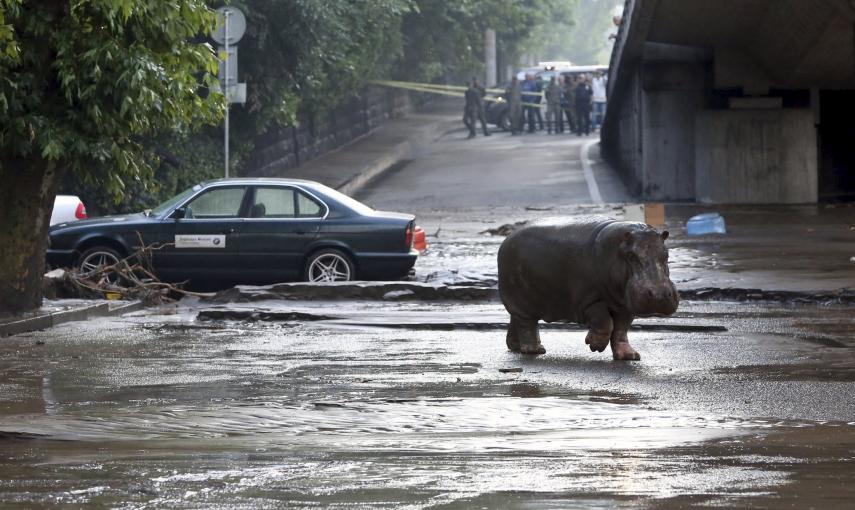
(273, 203)
(216, 203)
(307, 207)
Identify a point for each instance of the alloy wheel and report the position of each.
(329, 267)
(96, 261)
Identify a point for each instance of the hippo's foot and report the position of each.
(597, 341)
(512, 340)
(622, 351)
(523, 336)
(532, 349)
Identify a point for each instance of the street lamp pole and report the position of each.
(226, 90)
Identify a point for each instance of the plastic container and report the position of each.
(707, 223)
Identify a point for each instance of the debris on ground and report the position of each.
(707, 223)
(505, 230)
(129, 278)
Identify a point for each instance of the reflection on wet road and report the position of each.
(169, 411)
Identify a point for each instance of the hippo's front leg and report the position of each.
(599, 322)
(621, 350)
(523, 336)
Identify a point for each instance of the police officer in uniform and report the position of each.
(514, 96)
(554, 115)
(474, 109)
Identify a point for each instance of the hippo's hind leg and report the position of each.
(523, 336)
(600, 326)
(621, 350)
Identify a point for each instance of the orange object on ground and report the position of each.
(420, 242)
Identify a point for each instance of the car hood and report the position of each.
(102, 221)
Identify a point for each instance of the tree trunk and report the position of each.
(28, 187)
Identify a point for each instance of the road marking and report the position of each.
(593, 189)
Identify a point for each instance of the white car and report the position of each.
(67, 208)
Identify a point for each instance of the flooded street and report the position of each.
(414, 405)
(405, 396)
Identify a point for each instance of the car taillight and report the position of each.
(80, 213)
(408, 236)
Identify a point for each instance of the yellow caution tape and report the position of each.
(450, 90)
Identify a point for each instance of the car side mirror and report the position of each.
(178, 213)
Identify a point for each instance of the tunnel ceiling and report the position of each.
(799, 43)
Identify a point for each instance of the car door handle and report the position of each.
(228, 231)
(300, 232)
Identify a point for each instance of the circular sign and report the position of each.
(236, 21)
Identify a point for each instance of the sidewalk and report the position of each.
(350, 167)
(54, 312)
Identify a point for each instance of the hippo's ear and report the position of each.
(664, 235)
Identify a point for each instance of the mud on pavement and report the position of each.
(354, 404)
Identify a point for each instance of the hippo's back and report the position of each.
(547, 269)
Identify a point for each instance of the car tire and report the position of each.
(329, 265)
(505, 122)
(96, 257)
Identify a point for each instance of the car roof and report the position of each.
(260, 180)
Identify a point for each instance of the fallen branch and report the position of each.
(130, 278)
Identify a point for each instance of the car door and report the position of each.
(202, 236)
(280, 225)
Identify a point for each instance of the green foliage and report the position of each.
(585, 39)
(444, 41)
(85, 82)
(307, 55)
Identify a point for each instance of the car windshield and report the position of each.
(172, 202)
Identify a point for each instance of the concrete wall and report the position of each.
(756, 156)
(621, 136)
(673, 94)
(285, 148)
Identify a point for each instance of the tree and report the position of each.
(584, 40)
(444, 41)
(82, 84)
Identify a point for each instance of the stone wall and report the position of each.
(285, 148)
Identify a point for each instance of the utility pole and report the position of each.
(227, 14)
(230, 28)
(490, 57)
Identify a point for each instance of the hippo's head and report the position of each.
(649, 290)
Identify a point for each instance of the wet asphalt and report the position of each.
(410, 404)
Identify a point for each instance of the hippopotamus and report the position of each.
(594, 271)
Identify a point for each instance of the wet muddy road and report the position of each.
(414, 405)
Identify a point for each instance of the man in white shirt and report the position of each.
(598, 84)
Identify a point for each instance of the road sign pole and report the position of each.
(226, 90)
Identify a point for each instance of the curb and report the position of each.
(53, 319)
(379, 166)
(392, 157)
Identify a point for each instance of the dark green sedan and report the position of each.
(248, 230)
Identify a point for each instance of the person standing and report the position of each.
(598, 86)
(530, 97)
(554, 115)
(538, 84)
(568, 101)
(514, 97)
(583, 94)
(474, 108)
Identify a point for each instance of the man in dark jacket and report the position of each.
(531, 95)
(474, 108)
(583, 95)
